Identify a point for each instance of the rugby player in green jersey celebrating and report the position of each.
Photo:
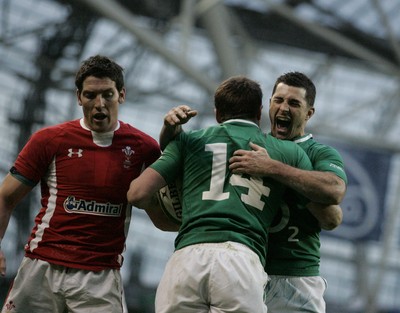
(220, 249)
(293, 258)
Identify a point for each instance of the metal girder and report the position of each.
(338, 40)
(389, 30)
(389, 113)
(215, 20)
(187, 19)
(116, 12)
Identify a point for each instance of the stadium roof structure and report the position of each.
(176, 52)
(180, 50)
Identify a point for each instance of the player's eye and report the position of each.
(108, 95)
(89, 95)
(294, 103)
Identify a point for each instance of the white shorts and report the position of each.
(292, 294)
(40, 287)
(212, 277)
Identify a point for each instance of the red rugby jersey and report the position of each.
(84, 177)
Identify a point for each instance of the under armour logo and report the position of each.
(77, 152)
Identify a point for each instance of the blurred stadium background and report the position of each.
(176, 52)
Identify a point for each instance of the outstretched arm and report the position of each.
(320, 187)
(172, 123)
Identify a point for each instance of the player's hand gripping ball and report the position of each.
(170, 198)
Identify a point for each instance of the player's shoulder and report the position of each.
(58, 130)
(60, 126)
(317, 147)
(288, 152)
(197, 134)
(279, 143)
(127, 129)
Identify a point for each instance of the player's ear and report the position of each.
(78, 96)
(259, 113)
(310, 113)
(217, 116)
(121, 95)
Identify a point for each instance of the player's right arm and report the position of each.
(158, 217)
(329, 216)
(142, 194)
(173, 121)
(318, 186)
(324, 206)
(12, 191)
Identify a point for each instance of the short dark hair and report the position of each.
(238, 97)
(297, 79)
(100, 66)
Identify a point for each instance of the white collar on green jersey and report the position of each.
(241, 121)
(302, 139)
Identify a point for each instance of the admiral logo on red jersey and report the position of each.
(71, 205)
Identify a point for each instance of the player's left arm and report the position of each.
(318, 186)
(328, 216)
(142, 194)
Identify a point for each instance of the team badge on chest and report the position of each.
(128, 156)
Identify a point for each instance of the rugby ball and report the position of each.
(170, 198)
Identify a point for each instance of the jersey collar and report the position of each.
(235, 120)
(83, 125)
(302, 138)
(101, 139)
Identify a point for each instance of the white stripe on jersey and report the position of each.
(51, 205)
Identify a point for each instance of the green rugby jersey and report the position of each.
(294, 242)
(219, 206)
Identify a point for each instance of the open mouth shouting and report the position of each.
(99, 117)
(282, 126)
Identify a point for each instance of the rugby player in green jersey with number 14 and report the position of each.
(220, 249)
(294, 247)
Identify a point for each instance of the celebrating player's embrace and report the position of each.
(248, 208)
(237, 183)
